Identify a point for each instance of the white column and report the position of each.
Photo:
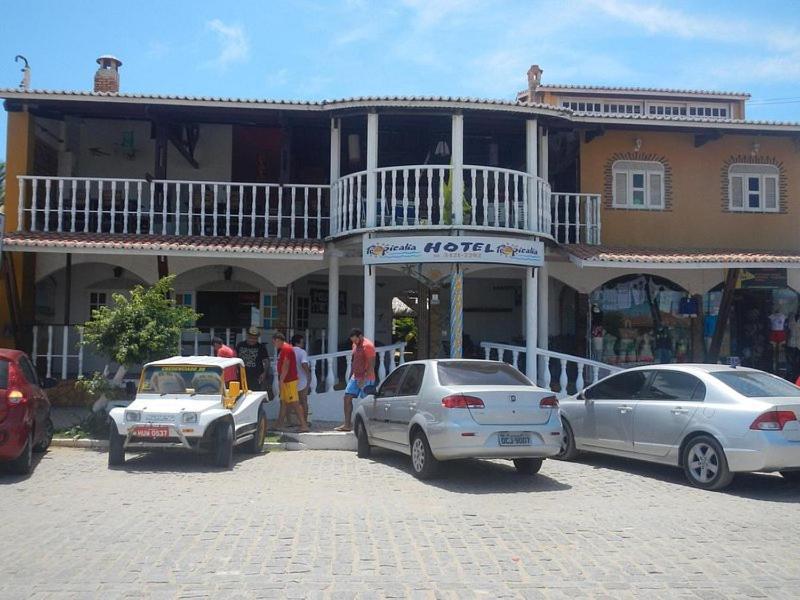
(372, 165)
(532, 169)
(369, 302)
(531, 312)
(457, 174)
(333, 313)
(336, 146)
(336, 162)
(544, 154)
(543, 310)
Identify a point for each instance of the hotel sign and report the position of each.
(467, 249)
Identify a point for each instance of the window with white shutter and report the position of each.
(753, 188)
(638, 184)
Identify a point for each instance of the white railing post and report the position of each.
(64, 351)
(21, 204)
(49, 351)
(80, 352)
(562, 380)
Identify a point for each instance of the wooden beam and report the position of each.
(701, 139)
(594, 133)
(12, 298)
(724, 313)
(184, 138)
(163, 266)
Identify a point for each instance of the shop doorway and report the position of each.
(228, 309)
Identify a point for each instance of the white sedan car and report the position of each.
(437, 410)
(191, 402)
(712, 420)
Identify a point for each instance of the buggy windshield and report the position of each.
(181, 379)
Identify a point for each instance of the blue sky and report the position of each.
(312, 49)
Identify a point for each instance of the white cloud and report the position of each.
(233, 44)
(157, 49)
(430, 13)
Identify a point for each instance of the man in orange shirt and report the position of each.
(222, 350)
(362, 374)
(287, 377)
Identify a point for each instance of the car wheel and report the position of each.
(568, 450)
(423, 462)
(23, 464)
(116, 447)
(364, 449)
(256, 445)
(49, 430)
(528, 466)
(791, 476)
(705, 465)
(223, 445)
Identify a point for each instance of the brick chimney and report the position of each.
(106, 79)
(534, 79)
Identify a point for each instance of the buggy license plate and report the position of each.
(514, 439)
(152, 432)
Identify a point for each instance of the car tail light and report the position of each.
(548, 402)
(16, 397)
(461, 401)
(773, 420)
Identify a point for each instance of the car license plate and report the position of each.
(514, 439)
(152, 432)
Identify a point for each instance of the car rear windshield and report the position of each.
(181, 379)
(3, 374)
(757, 385)
(479, 373)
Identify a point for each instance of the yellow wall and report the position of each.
(19, 161)
(696, 218)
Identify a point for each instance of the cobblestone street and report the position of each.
(328, 525)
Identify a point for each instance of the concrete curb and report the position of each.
(90, 444)
(80, 443)
(325, 440)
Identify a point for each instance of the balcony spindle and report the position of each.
(405, 197)
(228, 210)
(73, 195)
(47, 204)
(358, 204)
(60, 204)
(113, 211)
(473, 198)
(305, 214)
(416, 192)
(562, 380)
(279, 218)
(125, 205)
(394, 197)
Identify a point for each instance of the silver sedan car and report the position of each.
(711, 420)
(437, 410)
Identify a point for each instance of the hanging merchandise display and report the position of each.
(645, 319)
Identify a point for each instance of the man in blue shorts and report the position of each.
(362, 374)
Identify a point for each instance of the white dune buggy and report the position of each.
(194, 402)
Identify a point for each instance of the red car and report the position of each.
(25, 424)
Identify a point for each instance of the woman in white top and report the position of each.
(303, 371)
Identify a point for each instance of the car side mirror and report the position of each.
(234, 389)
(370, 390)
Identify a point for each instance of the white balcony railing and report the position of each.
(161, 207)
(563, 373)
(576, 218)
(419, 196)
(58, 353)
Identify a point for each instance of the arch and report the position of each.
(213, 277)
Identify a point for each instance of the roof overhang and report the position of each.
(687, 124)
(606, 257)
(185, 246)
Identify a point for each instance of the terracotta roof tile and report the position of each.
(20, 240)
(610, 254)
